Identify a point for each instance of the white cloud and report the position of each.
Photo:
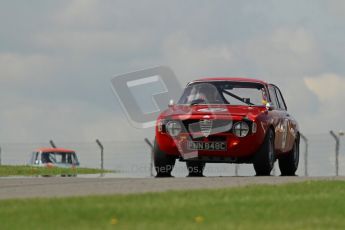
(15, 66)
(102, 42)
(85, 27)
(191, 60)
(284, 52)
(299, 41)
(79, 12)
(329, 87)
(336, 7)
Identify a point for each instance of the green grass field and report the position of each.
(307, 205)
(21, 170)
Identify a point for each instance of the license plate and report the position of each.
(209, 146)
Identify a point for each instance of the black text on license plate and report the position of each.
(210, 146)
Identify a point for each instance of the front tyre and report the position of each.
(288, 163)
(265, 158)
(164, 164)
(195, 168)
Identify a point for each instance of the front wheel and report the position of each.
(288, 163)
(265, 158)
(164, 164)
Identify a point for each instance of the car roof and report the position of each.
(235, 79)
(56, 150)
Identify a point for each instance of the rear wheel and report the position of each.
(195, 168)
(164, 164)
(265, 158)
(288, 163)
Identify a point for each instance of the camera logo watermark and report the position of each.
(143, 106)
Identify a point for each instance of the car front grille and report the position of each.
(214, 126)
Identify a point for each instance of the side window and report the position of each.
(75, 159)
(273, 97)
(280, 99)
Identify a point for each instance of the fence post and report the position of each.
(237, 166)
(305, 139)
(52, 144)
(102, 148)
(0, 156)
(336, 152)
(151, 160)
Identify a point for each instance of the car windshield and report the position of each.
(233, 93)
(59, 158)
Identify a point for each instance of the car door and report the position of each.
(288, 125)
(278, 115)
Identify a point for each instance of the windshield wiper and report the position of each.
(197, 101)
(237, 97)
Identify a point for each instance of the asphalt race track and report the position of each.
(62, 187)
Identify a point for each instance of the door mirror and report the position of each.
(269, 106)
(171, 103)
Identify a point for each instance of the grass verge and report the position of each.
(21, 170)
(307, 205)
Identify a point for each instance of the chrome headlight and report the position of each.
(174, 128)
(241, 129)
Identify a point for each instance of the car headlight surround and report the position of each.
(161, 126)
(240, 129)
(174, 128)
(254, 127)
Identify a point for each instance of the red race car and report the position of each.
(227, 120)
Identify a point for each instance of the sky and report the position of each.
(57, 59)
